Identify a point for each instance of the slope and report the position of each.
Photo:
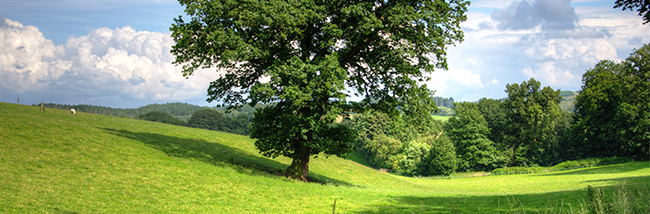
(62, 163)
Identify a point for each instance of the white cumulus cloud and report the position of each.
(106, 63)
(562, 62)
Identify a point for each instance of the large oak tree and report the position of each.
(307, 56)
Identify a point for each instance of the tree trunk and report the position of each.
(299, 168)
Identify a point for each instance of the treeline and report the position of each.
(99, 110)
(182, 111)
(528, 128)
(236, 121)
(445, 106)
(181, 114)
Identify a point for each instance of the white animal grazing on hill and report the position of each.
(73, 111)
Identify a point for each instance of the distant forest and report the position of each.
(234, 121)
(182, 111)
(183, 114)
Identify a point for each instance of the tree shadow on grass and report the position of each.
(549, 202)
(214, 153)
(531, 203)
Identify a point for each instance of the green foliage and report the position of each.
(207, 119)
(161, 117)
(613, 111)
(520, 170)
(444, 102)
(182, 111)
(381, 140)
(494, 114)
(533, 123)
(214, 120)
(568, 101)
(414, 158)
(371, 126)
(624, 200)
(247, 111)
(590, 162)
(641, 6)
(566, 93)
(441, 159)
(51, 160)
(445, 111)
(428, 157)
(566, 165)
(469, 130)
(568, 106)
(385, 150)
(312, 53)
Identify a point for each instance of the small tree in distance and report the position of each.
(306, 57)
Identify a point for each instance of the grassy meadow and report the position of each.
(56, 162)
(441, 118)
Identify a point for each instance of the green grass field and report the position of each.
(441, 118)
(55, 162)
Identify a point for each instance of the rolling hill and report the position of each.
(56, 162)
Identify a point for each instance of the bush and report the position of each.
(428, 157)
(161, 117)
(412, 162)
(384, 151)
(561, 166)
(520, 170)
(215, 120)
(589, 162)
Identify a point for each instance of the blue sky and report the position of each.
(116, 52)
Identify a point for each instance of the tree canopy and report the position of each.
(161, 117)
(641, 6)
(469, 131)
(613, 108)
(532, 113)
(306, 57)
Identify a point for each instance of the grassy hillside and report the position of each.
(55, 162)
(441, 118)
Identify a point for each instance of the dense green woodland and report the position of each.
(530, 127)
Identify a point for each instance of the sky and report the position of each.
(116, 52)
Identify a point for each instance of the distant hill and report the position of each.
(56, 162)
(568, 100)
(445, 106)
(182, 111)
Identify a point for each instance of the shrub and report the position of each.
(428, 157)
(161, 117)
(561, 166)
(412, 162)
(589, 162)
(520, 170)
(384, 151)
